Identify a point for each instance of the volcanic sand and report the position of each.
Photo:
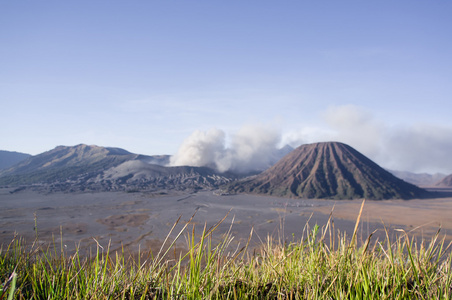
(141, 221)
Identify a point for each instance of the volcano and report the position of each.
(63, 163)
(92, 168)
(329, 170)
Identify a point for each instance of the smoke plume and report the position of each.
(252, 148)
(414, 147)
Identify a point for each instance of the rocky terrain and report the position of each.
(327, 170)
(94, 168)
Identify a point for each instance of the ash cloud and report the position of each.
(252, 148)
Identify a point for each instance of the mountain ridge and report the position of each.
(94, 168)
(320, 170)
(10, 158)
(64, 162)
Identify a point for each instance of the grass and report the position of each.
(324, 264)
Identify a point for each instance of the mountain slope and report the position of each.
(327, 170)
(63, 163)
(419, 179)
(94, 168)
(8, 158)
(445, 182)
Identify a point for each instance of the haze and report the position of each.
(244, 78)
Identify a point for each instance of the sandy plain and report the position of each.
(141, 221)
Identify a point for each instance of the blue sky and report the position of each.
(144, 75)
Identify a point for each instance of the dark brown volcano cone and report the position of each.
(328, 170)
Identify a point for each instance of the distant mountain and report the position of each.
(272, 159)
(94, 168)
(419, 179)
(64, 163)
(8, 158)
(445, 182)
(161, 160)
(327, 170)
(280, 153)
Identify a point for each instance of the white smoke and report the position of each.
(415, 147)
(420, 147)
(200, 149)
(252, 148)
(355, 126)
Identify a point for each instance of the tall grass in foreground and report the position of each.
(323, 265)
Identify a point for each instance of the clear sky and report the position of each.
(144, 75)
